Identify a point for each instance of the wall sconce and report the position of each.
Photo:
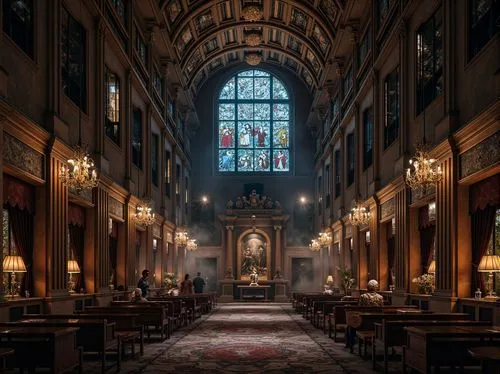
(367, 237)
(110, 226)
(253, 222)
(393, 223)
(351, 244)
(432, 211)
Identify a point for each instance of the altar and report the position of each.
(254, 292)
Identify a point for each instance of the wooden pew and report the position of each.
(93, 335)
(127, 330)
(308, 308)
(149, 314)
(392, 333)
(437, 346)
(325, 316)
(55, 348)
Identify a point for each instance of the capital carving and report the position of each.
(229, 227)
(277, 227)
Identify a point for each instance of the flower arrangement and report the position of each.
(170, 281)
(425, 283)
(347, 280)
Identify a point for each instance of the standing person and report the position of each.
(143, 283)
(198, 283)
(186, 286)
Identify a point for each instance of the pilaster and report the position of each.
(404, 86)
(102, 263)
(229, 249)
(401, 216)
(278, 263)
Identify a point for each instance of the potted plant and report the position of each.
(425, 283)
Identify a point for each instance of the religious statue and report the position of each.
(254, 278)
(229, 204)
(254, 199)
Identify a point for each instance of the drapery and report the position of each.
(482, 221)
(113, 250)
(77, 240)
(21, 221)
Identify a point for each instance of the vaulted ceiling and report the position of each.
(209, 35)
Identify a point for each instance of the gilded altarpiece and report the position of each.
(254, 252)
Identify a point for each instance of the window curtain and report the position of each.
(21, 221)
(76, 242)
(427, 230)
(113, 251)
(484, 201)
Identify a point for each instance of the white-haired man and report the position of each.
(371, 297)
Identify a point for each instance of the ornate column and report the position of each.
(102, 263)
(401, 210)
(229, 249)
(56, 199)
(2, 120)
(374, 267)
(278, 263)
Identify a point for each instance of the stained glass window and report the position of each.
(253, 124)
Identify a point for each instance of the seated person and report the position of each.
(137, 296)
(372, 297)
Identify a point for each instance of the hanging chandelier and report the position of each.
(359, 216)
(423, 171)
(252, 13)
(253, 39)
(191, 245)
(144, 215)
(314, 246)
(181, 238)
(325, 239)
(79, 173)
(253, 59)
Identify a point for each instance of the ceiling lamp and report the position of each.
(191, 245)
(325, 239)
(252, 13)
(253, 59)
(423, 171)
(359, 216)
(253, 39)
(181, 238)
(144, 215)
(79, 173)
(314, 246)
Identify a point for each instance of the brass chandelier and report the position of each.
(325, 239)
(79, 174)
(314, 246)
(253, 39)
(423, 171)
(191, 245)
(359, 216)
(144, 215)
(252, 13)
(181, 238)
(253, 59)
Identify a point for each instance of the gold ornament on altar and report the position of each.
(253, 39)
(423, 171)
(359, 216)
(253, 59)
(79, 173)
(252, 13)
(144, 213)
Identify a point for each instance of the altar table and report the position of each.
(254, 292)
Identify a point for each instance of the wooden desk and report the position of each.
(52, 347)
(259, 292)
(429, 346)
(489, 357)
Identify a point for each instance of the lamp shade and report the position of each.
(432, 267)
(13, 264)
(73, 266)
(329, 279)
(489, 264)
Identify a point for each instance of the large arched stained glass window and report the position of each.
(253, 124)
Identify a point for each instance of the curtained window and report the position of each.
(76, 236)
(17, 225)
(484, 205)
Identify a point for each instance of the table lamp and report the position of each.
(73, 268)
(489, 264)
(329, 280)
(432, 267)
(13, 264)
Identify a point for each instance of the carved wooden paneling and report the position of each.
(20, 155)
(387, 209)
(115, 208)
(481, 156)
